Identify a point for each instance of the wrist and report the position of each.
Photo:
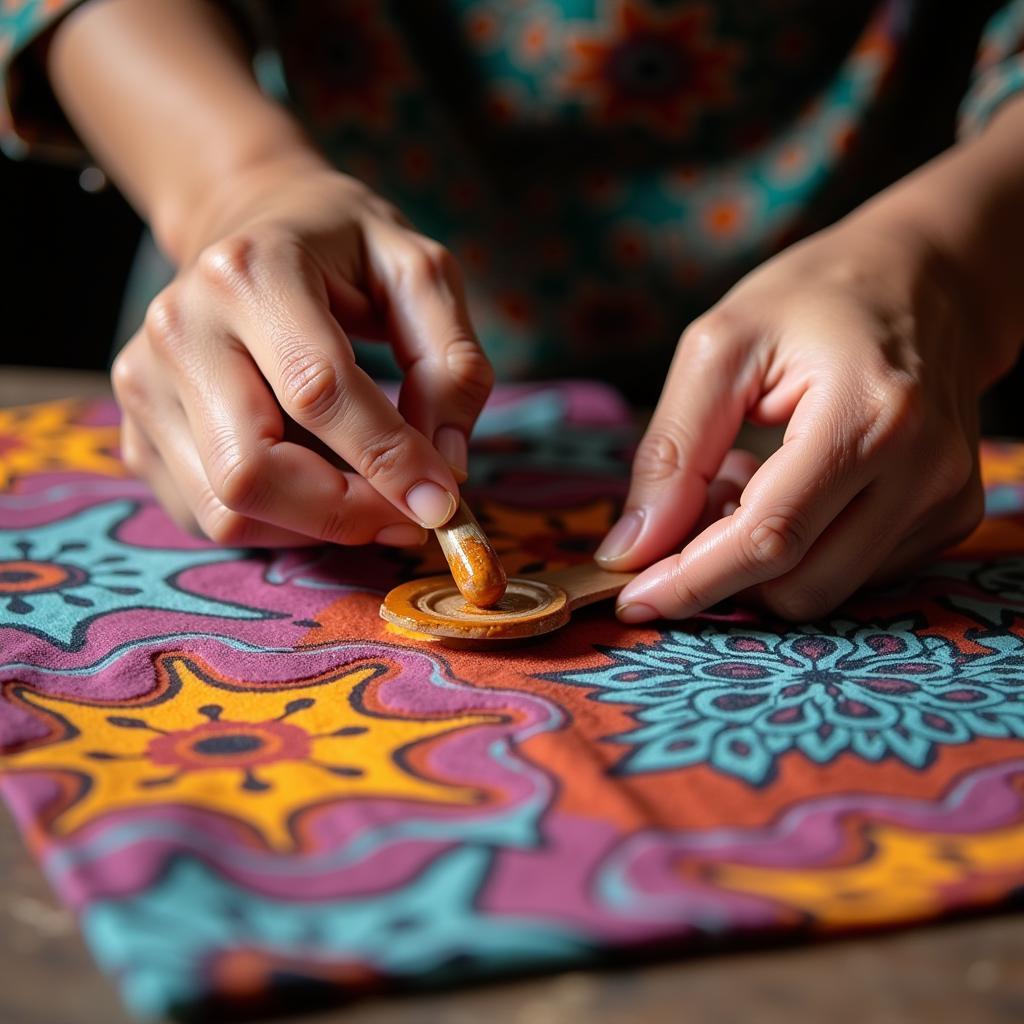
(188, 218)
(964, 212)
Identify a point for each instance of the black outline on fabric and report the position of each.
(79, 635)
(168, 663)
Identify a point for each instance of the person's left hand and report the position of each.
(860, 339)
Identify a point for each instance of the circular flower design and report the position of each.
(740, 700)
(651, 67)
(229, 744)
(23, 576)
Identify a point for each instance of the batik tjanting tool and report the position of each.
(475, 565)
(531, 605)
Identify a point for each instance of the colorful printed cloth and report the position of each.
(242, 781)
(603, 169)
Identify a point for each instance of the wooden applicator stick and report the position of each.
(475, 565)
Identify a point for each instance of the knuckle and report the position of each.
(132, 455)
(229, 265)
(898, 418)
(340, 525)
(127, 381)
(308, 383)
(238, 480)
(382, 454)
(700, 343)
(705, 339)
(223, 525)
(339, 528)
(429, 263)
(775, 544)
(683, 591)
(471, 372)
(659, 456)
(135, 463)
(386, 210)
(440, 258)
(165, 325)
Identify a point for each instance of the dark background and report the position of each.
(67, 254)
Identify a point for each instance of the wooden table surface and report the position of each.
(967, 972)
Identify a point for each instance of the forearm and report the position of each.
(969, 205)
(163, 94)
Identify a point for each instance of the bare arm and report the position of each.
(163, 94)
(280, 257)
(969, 204)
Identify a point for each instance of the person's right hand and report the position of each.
(252, 336)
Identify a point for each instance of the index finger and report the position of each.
(709, 387)
(787, 505)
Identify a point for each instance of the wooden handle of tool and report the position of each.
(585, 583)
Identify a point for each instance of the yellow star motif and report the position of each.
(41, 438)
(259, 756)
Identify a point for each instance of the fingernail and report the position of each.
(635, 611)
(451, 443)
(621, 537)
(431, 505)
(402, 535)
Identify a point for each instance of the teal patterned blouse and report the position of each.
(604, 169)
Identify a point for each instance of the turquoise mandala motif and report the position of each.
(57, 579)
(739, 700)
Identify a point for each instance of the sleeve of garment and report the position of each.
(998, 71)
(30, 118)
(31, 121)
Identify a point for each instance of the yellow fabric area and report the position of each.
(901, 878)
(267, 754)
(42, 438)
